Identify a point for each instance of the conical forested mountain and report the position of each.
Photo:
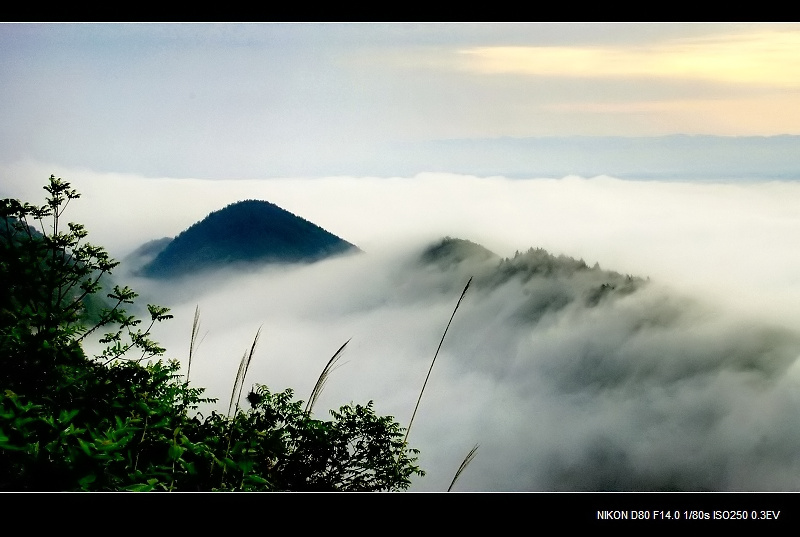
(248, 231)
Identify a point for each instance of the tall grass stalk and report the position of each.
(236, 394)
(244, 365)
(193, 343)
(416, 407)
(323, 377)
(464, 464)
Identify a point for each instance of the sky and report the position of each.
(690, 383)
(262, 100)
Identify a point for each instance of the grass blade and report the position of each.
(323, 377)
(193, 343)
(238, 383)
(464, 464)
(244, 365)
(416, 407)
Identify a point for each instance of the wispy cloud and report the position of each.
(762, 58)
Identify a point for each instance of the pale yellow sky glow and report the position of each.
(764, 58)
(725, 116)
(726, 84)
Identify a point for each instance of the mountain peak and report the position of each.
(249, 231)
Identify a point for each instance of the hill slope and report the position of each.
(245, 232)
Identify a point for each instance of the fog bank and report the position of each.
(567, 379)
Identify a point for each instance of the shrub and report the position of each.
(125, 419)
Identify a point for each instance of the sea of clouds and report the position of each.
(690, 382)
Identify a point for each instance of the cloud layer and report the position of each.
(569, 377)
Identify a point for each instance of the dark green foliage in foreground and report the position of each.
(125, 420)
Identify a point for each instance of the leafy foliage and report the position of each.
(125, 419)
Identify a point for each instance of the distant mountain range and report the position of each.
(245, 232)
(669, 157)
(689, 157)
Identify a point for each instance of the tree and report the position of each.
(51, 276)
(125, 419)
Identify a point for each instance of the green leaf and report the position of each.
(139, 487)
(175, 452)
(85, 446)
(85, 481)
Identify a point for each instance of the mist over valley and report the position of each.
(665, 358)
